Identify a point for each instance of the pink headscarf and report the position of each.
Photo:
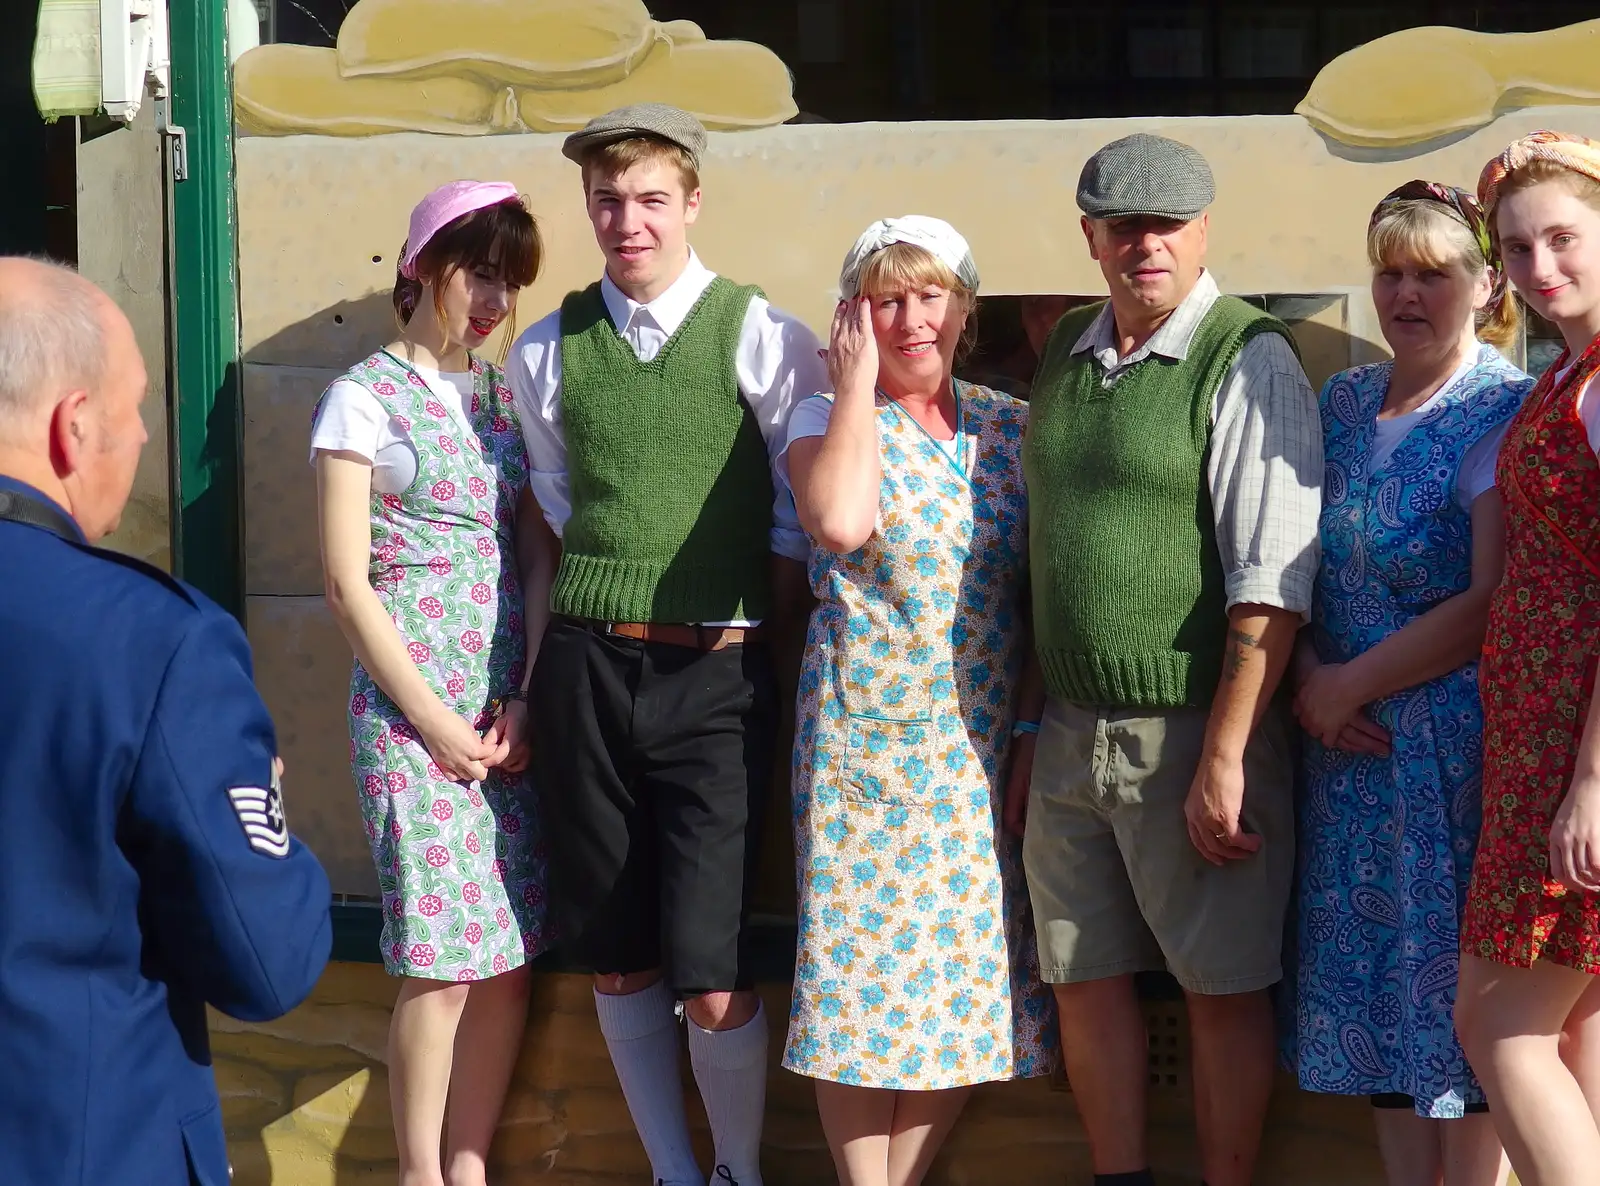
(442, 207)
(1577, 153)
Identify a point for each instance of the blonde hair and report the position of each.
(617, 157)
(1429, 234)
(905, 267)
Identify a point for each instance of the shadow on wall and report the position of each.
(349, 330)
(213, 515)
(1320, 325)
(342, 334)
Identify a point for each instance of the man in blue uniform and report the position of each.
(146, 869)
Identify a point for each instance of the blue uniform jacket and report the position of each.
(145, 867)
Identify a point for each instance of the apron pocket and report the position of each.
(890, 721)
(886, 763)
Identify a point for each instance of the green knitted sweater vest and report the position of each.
(1130, 600)
(671, 487)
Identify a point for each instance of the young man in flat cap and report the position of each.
(1174, 469)
(652, 402)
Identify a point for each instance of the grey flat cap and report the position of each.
(1145, 174)
(639, 119)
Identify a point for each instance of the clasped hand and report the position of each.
(465, 755)
(1329, 709)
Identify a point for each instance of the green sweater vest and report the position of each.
(1130, 600)
(671, 488)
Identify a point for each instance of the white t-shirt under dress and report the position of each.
(353, 420)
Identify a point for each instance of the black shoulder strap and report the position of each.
(16, 507)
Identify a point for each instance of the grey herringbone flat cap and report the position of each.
(1145, 174)
(639, 119)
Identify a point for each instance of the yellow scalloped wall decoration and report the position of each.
(1421, 84)
(563, 43)
(284, 89)
(682, 32)
(727, 85)
(477, 67)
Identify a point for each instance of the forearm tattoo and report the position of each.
(1240, 644)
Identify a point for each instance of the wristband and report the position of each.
(497, 707)
(1022, 727)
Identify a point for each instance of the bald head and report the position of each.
(53, 335)
(71, 381)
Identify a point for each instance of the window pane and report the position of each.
(1266, 44)
(1168, 43)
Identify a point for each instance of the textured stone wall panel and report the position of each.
(303, 672)
(305, 1101)
(282, 556)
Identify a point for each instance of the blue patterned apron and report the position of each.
(1386, 844)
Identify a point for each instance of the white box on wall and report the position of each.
(134, 55)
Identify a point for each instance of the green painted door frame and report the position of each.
(208, 504)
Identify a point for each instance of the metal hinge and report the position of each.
(179, 139)
(176, 136)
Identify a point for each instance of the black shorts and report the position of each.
(655, 762)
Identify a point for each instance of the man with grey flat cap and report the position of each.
(1174, 471)
(653, 402)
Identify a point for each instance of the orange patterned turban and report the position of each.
(1577, 153)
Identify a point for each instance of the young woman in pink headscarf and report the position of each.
(430, 544)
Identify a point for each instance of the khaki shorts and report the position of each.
(1116, 883)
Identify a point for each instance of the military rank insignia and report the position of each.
(260, 812)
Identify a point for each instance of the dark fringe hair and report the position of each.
(503, 237)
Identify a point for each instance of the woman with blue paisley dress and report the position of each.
(1412, 549)
(917, 975)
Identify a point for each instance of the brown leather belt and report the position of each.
(699, 638)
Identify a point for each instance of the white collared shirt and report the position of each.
(777, 363)
(1264, 465)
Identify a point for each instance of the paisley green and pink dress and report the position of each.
(460, 865)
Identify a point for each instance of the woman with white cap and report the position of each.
(429, 539)
(916, 976)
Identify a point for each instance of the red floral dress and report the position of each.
(1536, 678)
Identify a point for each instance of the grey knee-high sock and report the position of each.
(641, 1032)
(730, 1067)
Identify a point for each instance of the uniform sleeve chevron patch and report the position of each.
(260, 812)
